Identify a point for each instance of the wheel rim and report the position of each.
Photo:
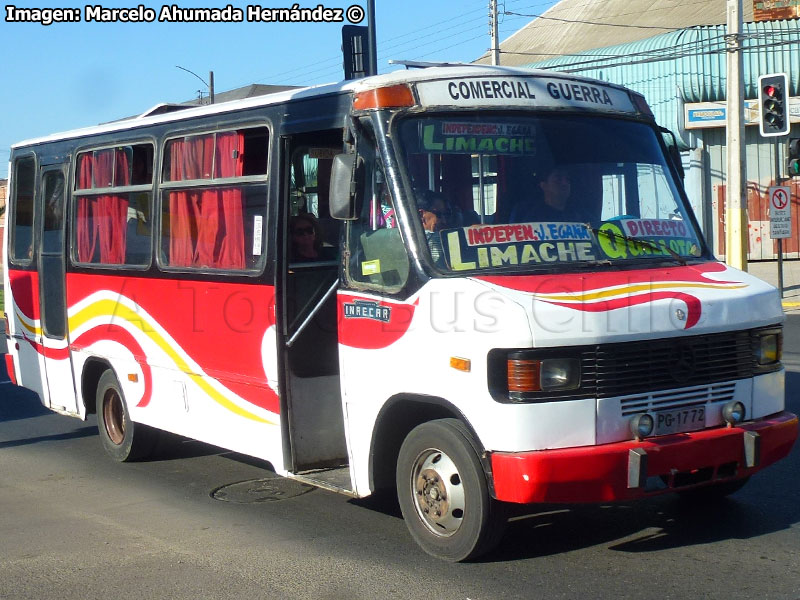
(438, 492)
(114, 417)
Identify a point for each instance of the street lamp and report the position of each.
(209, 85)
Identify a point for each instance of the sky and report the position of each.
(76, 74)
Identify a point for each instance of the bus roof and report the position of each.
(413, 76)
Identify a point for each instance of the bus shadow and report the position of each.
(766, 505)
(171, 446)
(19, 403)
(56, 437)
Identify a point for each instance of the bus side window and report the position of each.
(22, 210)
(213, 201)
(112, 221)
(378, 257)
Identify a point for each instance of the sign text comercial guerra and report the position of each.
(524, 91)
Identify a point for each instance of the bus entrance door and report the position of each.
(60, 389)
(310, 275)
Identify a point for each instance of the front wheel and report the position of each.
(443, 494)
(123, 439)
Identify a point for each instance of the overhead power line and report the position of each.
(599, 23)
(389, 45)
(625, 60)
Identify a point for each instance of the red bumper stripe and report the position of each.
(600, 473)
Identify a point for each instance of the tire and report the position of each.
(123, 439)
(714, 492)
(443, 495)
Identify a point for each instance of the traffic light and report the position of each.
(773, 104)
(793, 157)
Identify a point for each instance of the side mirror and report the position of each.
(347, 178)
(673, 151)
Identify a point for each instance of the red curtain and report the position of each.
(207, 226)
(230, 162)
(87, 236)
(102, 220)
(181, 251)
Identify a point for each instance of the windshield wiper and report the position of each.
(628, 238)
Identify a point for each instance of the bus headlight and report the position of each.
(560, 374)
(543, 375)
(768, 347)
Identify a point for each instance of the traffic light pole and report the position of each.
(736, 193)
(780, 240)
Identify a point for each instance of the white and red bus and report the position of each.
(478, 286)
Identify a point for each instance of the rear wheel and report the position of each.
(443, 494)
(123, 439)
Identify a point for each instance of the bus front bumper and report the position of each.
(634, 469)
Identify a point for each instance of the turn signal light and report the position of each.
(461, 364)
(524, 375)
(394, 96)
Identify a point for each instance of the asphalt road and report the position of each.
(74, 524)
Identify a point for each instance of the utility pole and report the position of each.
(211, 86)
(495, 48)
(372, 68)
(736, 189)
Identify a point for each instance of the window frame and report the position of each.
(76, 193)
(162, 188)
(11, 217)
(354, 229)
(400, 118)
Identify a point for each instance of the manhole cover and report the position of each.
(261, 490)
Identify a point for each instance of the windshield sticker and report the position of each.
(615, 242)
(655, 228)
(493, 138)
(519, 246)
(479, 235)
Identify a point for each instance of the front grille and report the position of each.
(632, 367)
(639, 367)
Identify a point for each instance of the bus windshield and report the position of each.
(495, 191)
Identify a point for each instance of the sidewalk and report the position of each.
(768, 271)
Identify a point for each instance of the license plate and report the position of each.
(680, 420)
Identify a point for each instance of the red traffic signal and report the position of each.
(773, 105)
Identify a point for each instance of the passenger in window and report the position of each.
(552, 202)
(435, 215)
(307, 240)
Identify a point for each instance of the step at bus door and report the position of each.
(60, 388)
